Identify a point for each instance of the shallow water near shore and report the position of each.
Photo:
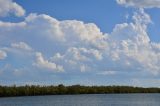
(84, 100)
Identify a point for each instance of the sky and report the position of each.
(87, 42)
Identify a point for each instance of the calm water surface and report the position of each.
(85, 100)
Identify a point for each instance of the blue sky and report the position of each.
(107, 42)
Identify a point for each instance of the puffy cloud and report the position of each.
(42, 63)
(80, 59)
(3, 54)
(8, 6)
(83, 68)
(74, 46)
(78, 33)
(71, 37)
(82, 54)
(140, 3)
(21, 45)
(132, 44)
(74, 43)
(107, 73)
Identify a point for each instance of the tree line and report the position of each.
(35, 90)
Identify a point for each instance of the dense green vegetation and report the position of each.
(7, 91)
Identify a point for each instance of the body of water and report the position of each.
(84, 100)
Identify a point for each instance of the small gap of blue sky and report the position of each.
(153, 29)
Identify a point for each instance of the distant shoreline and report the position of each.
(37, 90)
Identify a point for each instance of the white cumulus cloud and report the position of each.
(74, 46)
(9, 7)
(3, 54)
(21, 45)
(140, 3)
(107, 73)
(42, 63)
